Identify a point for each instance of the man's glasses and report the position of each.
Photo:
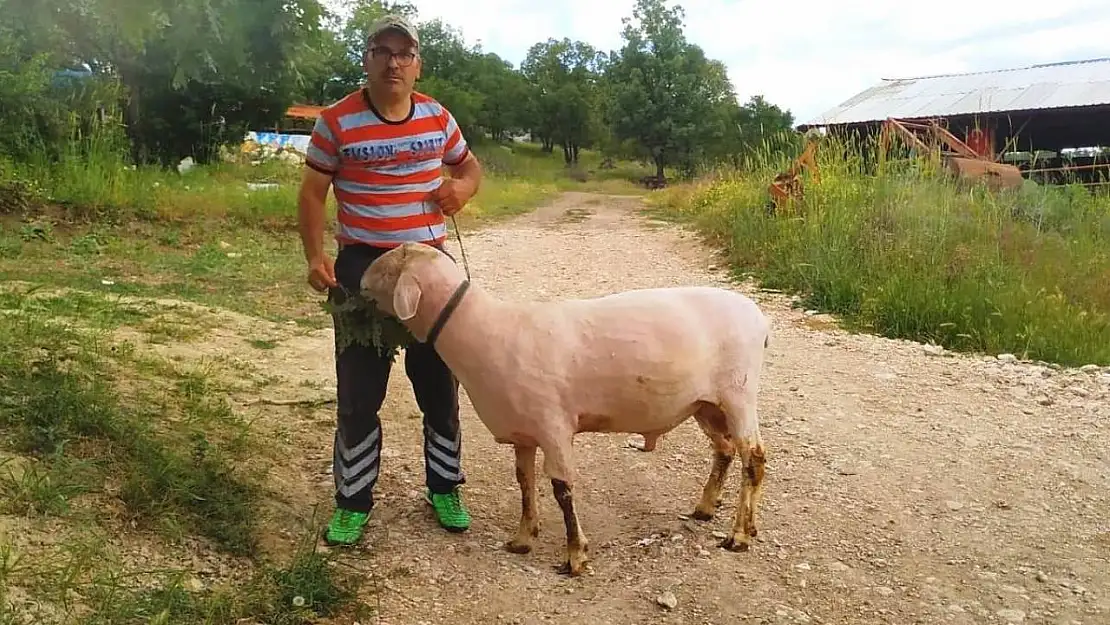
(382, 54)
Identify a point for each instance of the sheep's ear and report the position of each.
(406, 296)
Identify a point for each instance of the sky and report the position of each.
(810, 55)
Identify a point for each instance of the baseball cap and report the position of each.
(395, 22)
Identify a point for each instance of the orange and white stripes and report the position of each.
(383, 171)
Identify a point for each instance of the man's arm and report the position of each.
(311, 204)
(321, 163)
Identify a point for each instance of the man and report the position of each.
(382, 148)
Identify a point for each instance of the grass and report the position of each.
(83, 581)
(97, 440)
(906, 252)
(68, 407)
(213, 235)
(105, 443)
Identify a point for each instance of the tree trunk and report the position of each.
(659, 166)
(567, 158)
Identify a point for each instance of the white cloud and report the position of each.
(810, 55)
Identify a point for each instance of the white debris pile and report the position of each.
(259, 153)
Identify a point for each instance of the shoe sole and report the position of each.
(331, 542)
(454, 529)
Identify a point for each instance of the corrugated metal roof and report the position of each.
(1055, 85)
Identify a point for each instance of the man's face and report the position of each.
(392, 62)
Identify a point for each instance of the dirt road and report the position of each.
(903, 486)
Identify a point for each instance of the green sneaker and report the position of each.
(345, 527)
(450, 510)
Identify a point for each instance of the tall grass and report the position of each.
(222, 233)
(904, 251)
(90, 178)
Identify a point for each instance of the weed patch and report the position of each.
(65, 404)
(83, 582)
(907, 253)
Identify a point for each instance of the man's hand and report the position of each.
(451, 196)
(457, 190)
(321, 273)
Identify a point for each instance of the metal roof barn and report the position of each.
(1039, 87)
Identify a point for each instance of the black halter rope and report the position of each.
(448, 310)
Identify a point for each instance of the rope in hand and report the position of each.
(458, 236)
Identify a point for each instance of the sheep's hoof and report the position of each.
(698, 515)
(568, 570)
(646, 446)
(734, 545)
(518, 548)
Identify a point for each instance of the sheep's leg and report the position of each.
(577, 545)
(651, 439)
(714, 423)
(744, 427)
(558, 463)
(759, 466)
(529, 520)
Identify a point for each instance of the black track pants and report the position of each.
(362, 376)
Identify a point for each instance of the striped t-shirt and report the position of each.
(383, 170)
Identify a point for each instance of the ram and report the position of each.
(538, 373)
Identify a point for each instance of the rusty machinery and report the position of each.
(957, 157)
(928, 137)
(786, 188)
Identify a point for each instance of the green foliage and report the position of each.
(153, 83)
(565, 77)
(483, 92)
(909, 253)
(677, 105)
(761, 126)
(358, 320)
(62, 408)
(187, 76)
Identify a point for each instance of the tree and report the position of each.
(327, 67)
(195, 74)
(566, 107)
(667, 96)
(760, 121)
(192, 75)
(506, 104)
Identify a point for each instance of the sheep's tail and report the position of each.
(767, 337)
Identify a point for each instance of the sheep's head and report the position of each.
(397, 280)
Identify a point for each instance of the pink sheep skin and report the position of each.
(642, 361)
